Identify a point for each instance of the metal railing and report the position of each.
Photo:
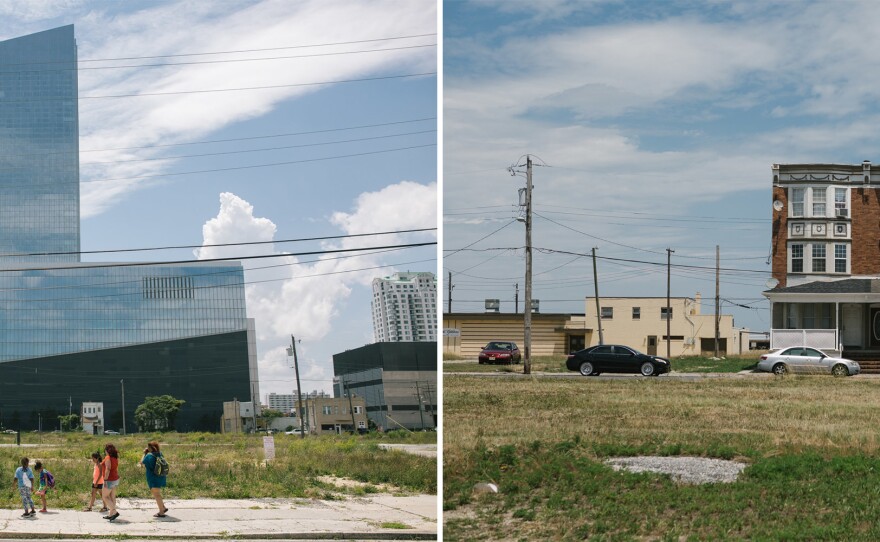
(823, 339)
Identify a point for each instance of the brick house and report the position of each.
(826, 258)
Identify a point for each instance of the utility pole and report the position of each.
(717, 296)
(450, 286)
(596, 285)
(527, 326)
(516, 299)
(350, 406)
(419, 399)
(122, 383)
(669, 252)
(302, 429)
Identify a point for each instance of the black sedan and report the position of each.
(614, 358)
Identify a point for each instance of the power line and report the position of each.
(230, 140)
(228, 259)
(253, 166)
(262, 50)
(265, 149)
(215, 245)
(223, 61)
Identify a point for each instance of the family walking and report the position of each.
(105, 481)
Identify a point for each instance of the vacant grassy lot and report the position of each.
(226, 466)
(556, 364)
(812, 445)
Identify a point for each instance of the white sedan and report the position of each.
(802, 359)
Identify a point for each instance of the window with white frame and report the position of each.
(840, 202)
(818, 259)
(607, 313)
(818, 202)
(664, 315)
(797, 202)
(840, 258)
(797, 258)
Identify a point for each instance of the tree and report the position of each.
(69, 422)
(157, 413)
(268, 414)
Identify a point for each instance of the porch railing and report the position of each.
(824, 339)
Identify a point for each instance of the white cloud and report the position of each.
(196, 27)
(305, 296)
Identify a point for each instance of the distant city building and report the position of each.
(405, 308)
(285, 403)
(325, 414)
(85, 331)
(397, 380)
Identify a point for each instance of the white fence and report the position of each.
(823, 339)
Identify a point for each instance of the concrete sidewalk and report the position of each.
(384, 517)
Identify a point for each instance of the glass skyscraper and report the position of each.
(39, 147)
(74, 331)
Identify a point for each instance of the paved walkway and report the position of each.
(384, 517)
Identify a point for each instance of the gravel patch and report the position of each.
(689, 470)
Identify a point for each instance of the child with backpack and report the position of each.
(44, 482)
(24, 479)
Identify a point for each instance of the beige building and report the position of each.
(465, 334)
(640, 322)
(331, 415)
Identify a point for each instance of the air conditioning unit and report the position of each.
(842, 213)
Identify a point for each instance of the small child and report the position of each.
(42, 475)
(97, 483)
(24, 479)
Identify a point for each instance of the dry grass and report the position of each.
(760, 414)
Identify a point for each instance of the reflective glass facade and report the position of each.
(76, 309)
(72, 332)
(39, 147)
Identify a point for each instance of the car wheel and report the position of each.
(647, 369)
(780, 369)
(840, 370)
(587, 368)
(480, 361)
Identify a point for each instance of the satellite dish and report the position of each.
(778, 205)
(771, 283)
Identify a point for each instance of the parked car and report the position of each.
(110, 432)
(499, 352)
(803, 359)
(10, 431)
(615, 358)
(296, 432)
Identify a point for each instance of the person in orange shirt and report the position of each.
(111, 480)
(97, 483)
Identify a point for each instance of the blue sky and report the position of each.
(659, 122)
(325, 304)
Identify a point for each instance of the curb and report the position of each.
(394, 535)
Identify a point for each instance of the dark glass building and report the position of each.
(398, 380)
(70, 331)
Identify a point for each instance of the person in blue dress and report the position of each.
(154, 481)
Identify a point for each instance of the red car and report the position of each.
(500, 352)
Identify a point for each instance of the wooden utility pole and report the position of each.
(302, 427)
(598, 310)
(527, 325)
(449, 286)
(516, 299)
(669, 252)
(717, 297)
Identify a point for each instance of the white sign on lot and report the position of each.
(269, 448)
(451, 332)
